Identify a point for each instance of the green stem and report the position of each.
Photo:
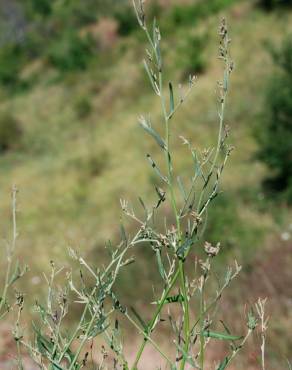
(202, 317)
(153, 321)
(148, 338)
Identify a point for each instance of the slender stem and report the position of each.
(33, 350)
(235, 352)
(141, 331)
(84, 339)
(221, 116)
(180, 270)
(153, 321)
(67, 346)
(202, 319)
(10, 250)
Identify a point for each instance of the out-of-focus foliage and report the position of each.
(275, 132)
(191, 59)
(184, 14)
(51, 30)
(71, 52)
(11, 61)
(271, 4)
(10, 132)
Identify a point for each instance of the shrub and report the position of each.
(83, 107)
(191, 57)
(71, 52)
(43, 7)
(10, 132)
(185, 14)
(275, 131)
(11, 62)
(126, 20)
(271, 4)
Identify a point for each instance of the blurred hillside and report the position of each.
(72, 86)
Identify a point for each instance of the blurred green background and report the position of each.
(71, 88)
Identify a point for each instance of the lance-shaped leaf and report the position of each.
(221, 336)
(160, 265)
(151, 78)
(183, 250)
(156, 44)
(147, 127)
(225, 81)
(143, 206)
(223, 364)
(17, 274)
(171, 100)
(98, 328)
(178, 298)
(182, 188)
(175, 298)
(156, 169)
(123, 234)
(139, 318)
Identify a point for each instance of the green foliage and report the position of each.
(71, 52)
(191, 57)
(271, 4)
(126, 20)
(10, 132)
(275, 132)
(11, 62)
(184, 14)
(43, 7)
(83, 107)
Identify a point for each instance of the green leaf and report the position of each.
(171, 100)
(17, 274)
(151, 78)
(223, 364)
(182, 251)
(147, 127)
(139, 318)
(211, 334)
(56, 367)
(251, 320)
(45, 346)
(160, 264)
(225, 81)
(143, 206)
(123, 234)
(175, 298)
(181, 188)
(98, 328)
(156, 169)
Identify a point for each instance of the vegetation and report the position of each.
(172, 247)
(81, 150)
(275, 135)
(10, 133)
(271, 4)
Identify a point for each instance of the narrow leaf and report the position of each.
(182, 251)
(160, 264)
(143, 206)
(151, 78)
(211, 334)
(123, 234)
(156, 169)
(139, 318)
(223, 364)
(144, 124)
(171, 100)
(175, 299)
(181, 188)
